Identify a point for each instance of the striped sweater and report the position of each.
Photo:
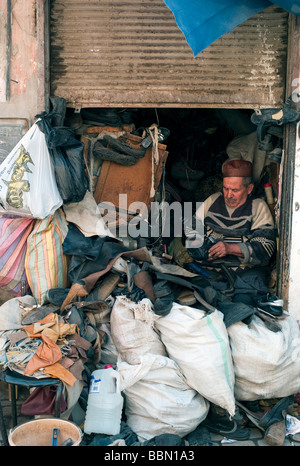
(251, 225)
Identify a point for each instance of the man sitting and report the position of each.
(239, 231)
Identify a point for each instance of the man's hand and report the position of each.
(222, 249)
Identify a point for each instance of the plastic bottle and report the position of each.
(269, 193)
(105, 403)
(269, 197)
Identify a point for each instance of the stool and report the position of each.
(15, 380)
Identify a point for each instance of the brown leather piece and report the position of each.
(77, 290)
(135, 181)
(143, 281)
(47, 354)
(56, 370)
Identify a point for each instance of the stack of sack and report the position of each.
(171, 366)
(157, 397)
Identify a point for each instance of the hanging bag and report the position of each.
(27, 182)
(66, 154)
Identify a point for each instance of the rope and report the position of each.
(153, 131)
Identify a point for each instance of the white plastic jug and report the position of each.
(105, 403)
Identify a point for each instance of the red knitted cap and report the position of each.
(236, 168)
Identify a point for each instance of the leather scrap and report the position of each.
(17, 336)
(47, 354)
(56, 370)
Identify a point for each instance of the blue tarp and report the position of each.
(203, 21)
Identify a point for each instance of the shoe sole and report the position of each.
(275, 434)
(34, 315)
(271, 312)
(278, 303)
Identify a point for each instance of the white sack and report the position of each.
(266, 364)
(199, 343)
(27, 181)
(157, 398)
(132, 329)
(11, 312)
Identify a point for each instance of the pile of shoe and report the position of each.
(118, 151)
(219, 422)
(271, 421)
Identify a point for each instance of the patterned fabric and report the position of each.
(251, 225)
(45, 263)
(13, 243)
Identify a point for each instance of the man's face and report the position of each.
(235, 193)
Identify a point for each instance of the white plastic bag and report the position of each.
(27, 182)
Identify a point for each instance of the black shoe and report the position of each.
(277, 413)
(57, 296)
(165, 294)
(123, 147)
(218, 421)
(271, 304)
(229, 429)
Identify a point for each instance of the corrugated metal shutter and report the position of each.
(132, 53)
